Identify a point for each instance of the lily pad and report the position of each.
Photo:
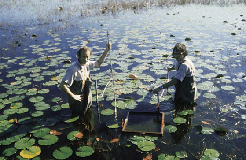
(63, 153)
(146, 145)
(40, 132)
(30, 152)
(181, 154)
(56, 99)
(107, 112)
(48, 140)
(72, 120)
(84, 151)
(9, 152)
(119, 104)
(171, 129)
(221, 131)
(179, 120)
(167, 157)
(186, 112)
(36, 99)
(211, 153)
(24, 143)
(74, 135)
(37, 113)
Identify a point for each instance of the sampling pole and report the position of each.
(99, 119)
(115, 108)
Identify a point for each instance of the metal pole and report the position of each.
(115, 108)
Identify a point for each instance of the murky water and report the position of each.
(141, 33)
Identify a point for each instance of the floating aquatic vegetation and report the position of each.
(107, 112)
(146, 146)
(72, 120)
(144, 143)
(40, 132)
(181, 154)
(63, 153)
(221, 131)
(74, 135)
(179, 120)
(9, 152)
(84, 151)
(24, 143)
(204, 130)
(170, 128)
(30, 152)
(210, 154)
(165, 157)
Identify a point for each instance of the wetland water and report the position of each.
(37, 37)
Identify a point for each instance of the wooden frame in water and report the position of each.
(144, 122)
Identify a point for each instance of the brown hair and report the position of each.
(179, 47)
(83, 49)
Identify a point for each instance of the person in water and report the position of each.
(184, 80)
(76, 83)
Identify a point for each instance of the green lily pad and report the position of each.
(179, 120)
(204, 130)
(137, 139)
(43, 91)
(30, 152)
(209, 95)
(56, 99)
(65, 105)
(16, 105)
(22, 110)
(48, 140)
(186, 112)
(40, 132)
(1, 106)
(167, 157)
(72, 120)
(181, 154)
(24, 143)
(119, 104)
(56, 108)
(37, 113)
(171, 129)
(74, 135)
(9, 152)
(63, 153)
(84, 151)
(146, 145)
(112, 124)
(228, 88)
(36, 99)
(107, 112)
(211, 153)
(41, 106)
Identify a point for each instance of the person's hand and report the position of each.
(169, 68)
(78, 97)
(108, 46)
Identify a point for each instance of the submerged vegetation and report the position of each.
(39, 40)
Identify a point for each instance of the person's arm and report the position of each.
(103, 57)
(174, 81)
(65, 89)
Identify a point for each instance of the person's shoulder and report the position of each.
(74, 66)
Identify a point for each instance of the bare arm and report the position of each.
(103, 57)
(65, 89)
(174, 81)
